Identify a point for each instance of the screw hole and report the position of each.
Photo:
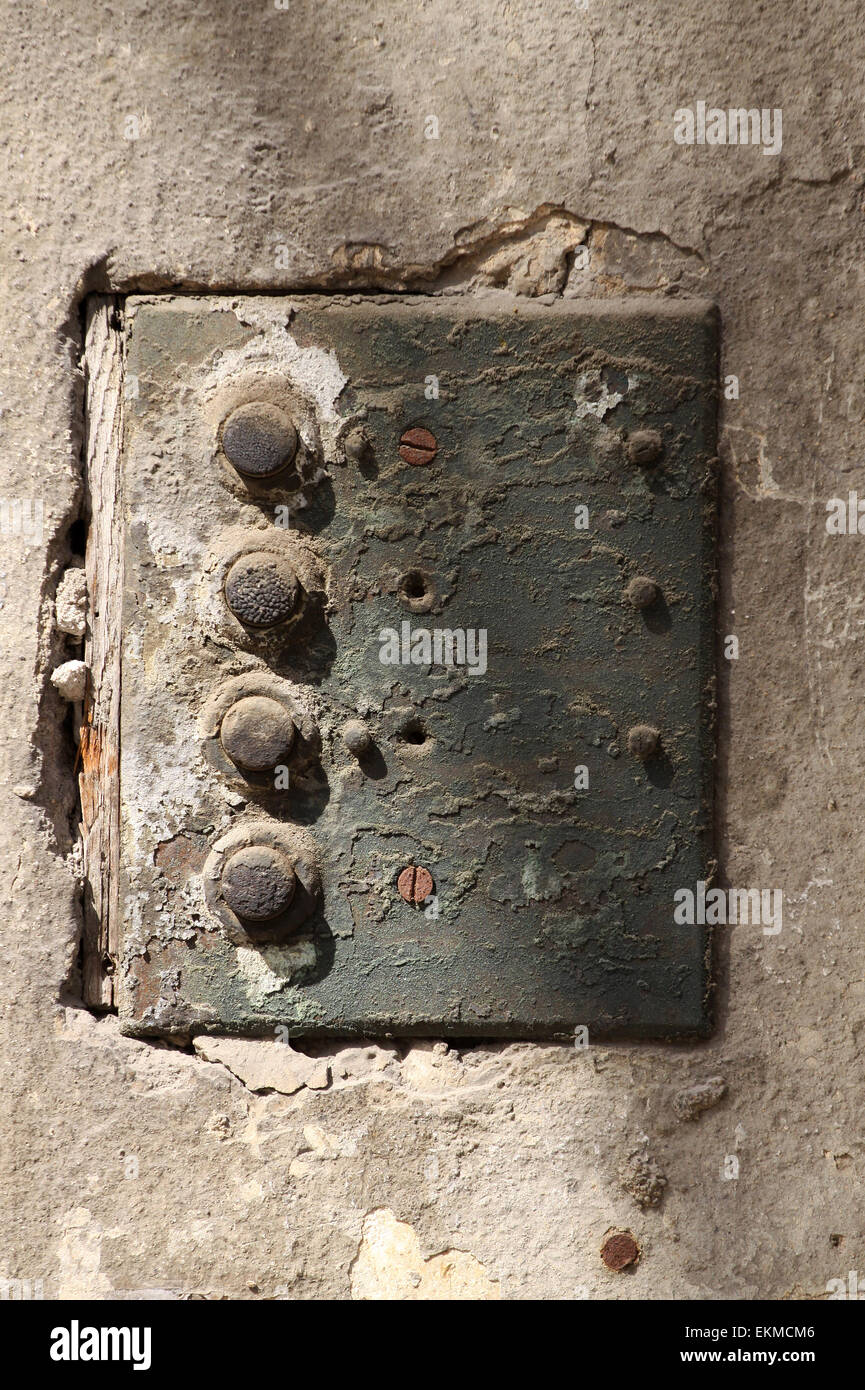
(414, 585)
(413, 732)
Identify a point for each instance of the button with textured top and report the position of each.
(259, 440)
(261, 589)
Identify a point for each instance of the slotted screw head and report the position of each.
(645, 447)
(259, 439)
(258, 883)
(257, 733)
(414, 884)
(643, 741)
(642, 592)
(418, 446)
(619, 1251)
(261, 589)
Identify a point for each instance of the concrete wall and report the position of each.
(289, 148)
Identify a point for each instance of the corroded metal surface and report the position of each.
(477, 642)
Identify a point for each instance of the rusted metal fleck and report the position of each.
(418, 446)
(415, 884)
(619, 1251)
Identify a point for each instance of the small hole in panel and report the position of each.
(416, 589)
(413, 732)
(414, 584)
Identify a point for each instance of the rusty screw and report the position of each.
(645, 447)
(257, 733)
(642, 592)
(259, 439)
(619, 1251)
(258, 883)
(418, 446)
(414, 884)
(261, 589)
(643, 741)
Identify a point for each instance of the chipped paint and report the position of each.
(552, 908)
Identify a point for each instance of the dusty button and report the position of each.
(258, 883)
(356, 737)
(357, 445)
(259, 439)
(257, 733)
(642, 592)
(643, 741)
(261, 589)
(645, 447)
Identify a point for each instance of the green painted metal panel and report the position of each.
(552, 903)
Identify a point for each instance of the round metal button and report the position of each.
(261, 589)
(257, 733)
(258, 883)
(259, 439)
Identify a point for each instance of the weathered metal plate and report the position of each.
(552, 905)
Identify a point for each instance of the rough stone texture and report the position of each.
(640, 1176)
(70, 605)
(693, 1100)
(70, 680)
(253, 1062)
(287, 149)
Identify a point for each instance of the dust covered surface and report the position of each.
(473, 610)
(287, 151)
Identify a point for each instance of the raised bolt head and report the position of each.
(261, 589)
(645, 447)
(414, 884)
(643, 741)
(620, 1250)
(642, 592)
(257, 733)
(258, 883)
(357, 445)
(259, 439)
(356, 737)
(418, 446)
